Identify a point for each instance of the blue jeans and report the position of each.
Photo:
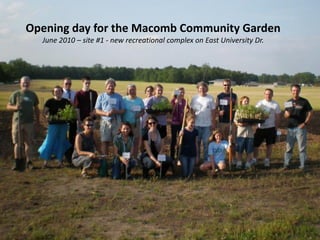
(299, 135)
(244, 144)
(203, 136)
(187, 165)
(117, 165)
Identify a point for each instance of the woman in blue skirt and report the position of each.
(56, 143)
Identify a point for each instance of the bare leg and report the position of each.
(269, 151)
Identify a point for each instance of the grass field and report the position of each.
(281, 94)
(258, 204)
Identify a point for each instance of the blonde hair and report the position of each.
(243, 98)
(212, 137)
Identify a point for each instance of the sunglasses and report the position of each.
(67, 84)
(226, 85)
(89, 125)
(152, 123)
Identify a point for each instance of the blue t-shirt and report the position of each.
(106, 103)
(218, 151)
(132, 108)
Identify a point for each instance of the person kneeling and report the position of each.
(123, 146)
(84, 154)
(216, 151)
(153, 156)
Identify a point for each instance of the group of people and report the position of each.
(135, 133)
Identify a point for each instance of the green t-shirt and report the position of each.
(28, 100)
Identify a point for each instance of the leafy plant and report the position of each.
(251, 112)
(163, 105)
(66, 114)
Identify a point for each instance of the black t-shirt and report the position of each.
(223, 103)
(55, 105)
(188, 145)
(298, 110)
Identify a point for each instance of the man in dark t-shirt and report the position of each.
(298, 111)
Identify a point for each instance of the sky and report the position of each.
(294, 49)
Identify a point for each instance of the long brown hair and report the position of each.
(212, 137)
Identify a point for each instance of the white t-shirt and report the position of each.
(203, 107)
(273, 109)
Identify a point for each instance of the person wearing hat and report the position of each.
(109, 107)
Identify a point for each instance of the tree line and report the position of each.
(14, 69)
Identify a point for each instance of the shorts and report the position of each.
(27, 130)
(244, 144)
(109, 129)
(267, 134)
(136, 129)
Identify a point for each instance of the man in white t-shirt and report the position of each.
(267, 131)
(203, 106)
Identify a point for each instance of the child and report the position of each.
(244, 141)
(189, 147)
(217, 150)
(123, 149)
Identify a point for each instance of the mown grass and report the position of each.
(281, 94)
(239, 205)
(260, 204)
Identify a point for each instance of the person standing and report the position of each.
(134, 109)
(298, 111)
(148, 93)
(203, 106)
(56, 142)
(69, 94)
(25, 106)
(189, 151)
(244, 140)
(161, 116)
(85, 100)
(267, 131)
(223, 108)
(110, 107)
(178, 103)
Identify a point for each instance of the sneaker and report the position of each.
(239, 165)
(251, 163)
(267, 163)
